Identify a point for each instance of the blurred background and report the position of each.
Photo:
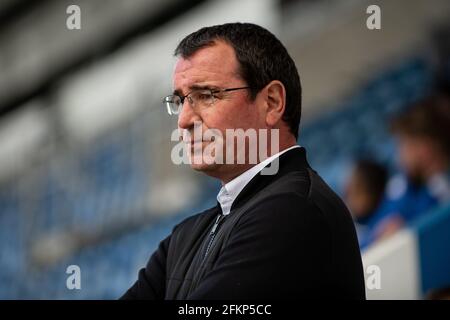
(85, 172)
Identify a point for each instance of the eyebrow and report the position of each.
(196, 87)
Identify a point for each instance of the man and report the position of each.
(282, 235)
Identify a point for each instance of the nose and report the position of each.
(187, 116)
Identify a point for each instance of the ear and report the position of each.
(276, 102)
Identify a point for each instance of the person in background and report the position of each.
(364, 193)
(422, 133)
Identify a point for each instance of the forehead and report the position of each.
(215, 65)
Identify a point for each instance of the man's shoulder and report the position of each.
(296, 183)
(303, 189)
(287, 193)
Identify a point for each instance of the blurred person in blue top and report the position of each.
(423, 150)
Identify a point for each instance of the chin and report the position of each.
(200, 163)
(204, 167)
(212, 170)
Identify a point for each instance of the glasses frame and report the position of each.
(167, 99)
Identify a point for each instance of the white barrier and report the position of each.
(397, 259)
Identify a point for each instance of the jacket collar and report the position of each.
(292, 160)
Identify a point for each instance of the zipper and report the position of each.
(212, 233)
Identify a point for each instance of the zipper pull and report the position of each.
(213, 230)
(212, 234)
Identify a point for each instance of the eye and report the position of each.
(204, 95)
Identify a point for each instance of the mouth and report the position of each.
(192, 141)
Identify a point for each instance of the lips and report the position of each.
(197, 141)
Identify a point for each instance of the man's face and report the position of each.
(216, 67)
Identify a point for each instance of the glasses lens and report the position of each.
(173, 104)
(202, 98)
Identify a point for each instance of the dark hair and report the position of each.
(427, 118)
(375, 176)
(261, 56)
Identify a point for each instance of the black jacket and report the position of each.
(287, 236)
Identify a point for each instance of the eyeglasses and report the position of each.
(200, 98)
